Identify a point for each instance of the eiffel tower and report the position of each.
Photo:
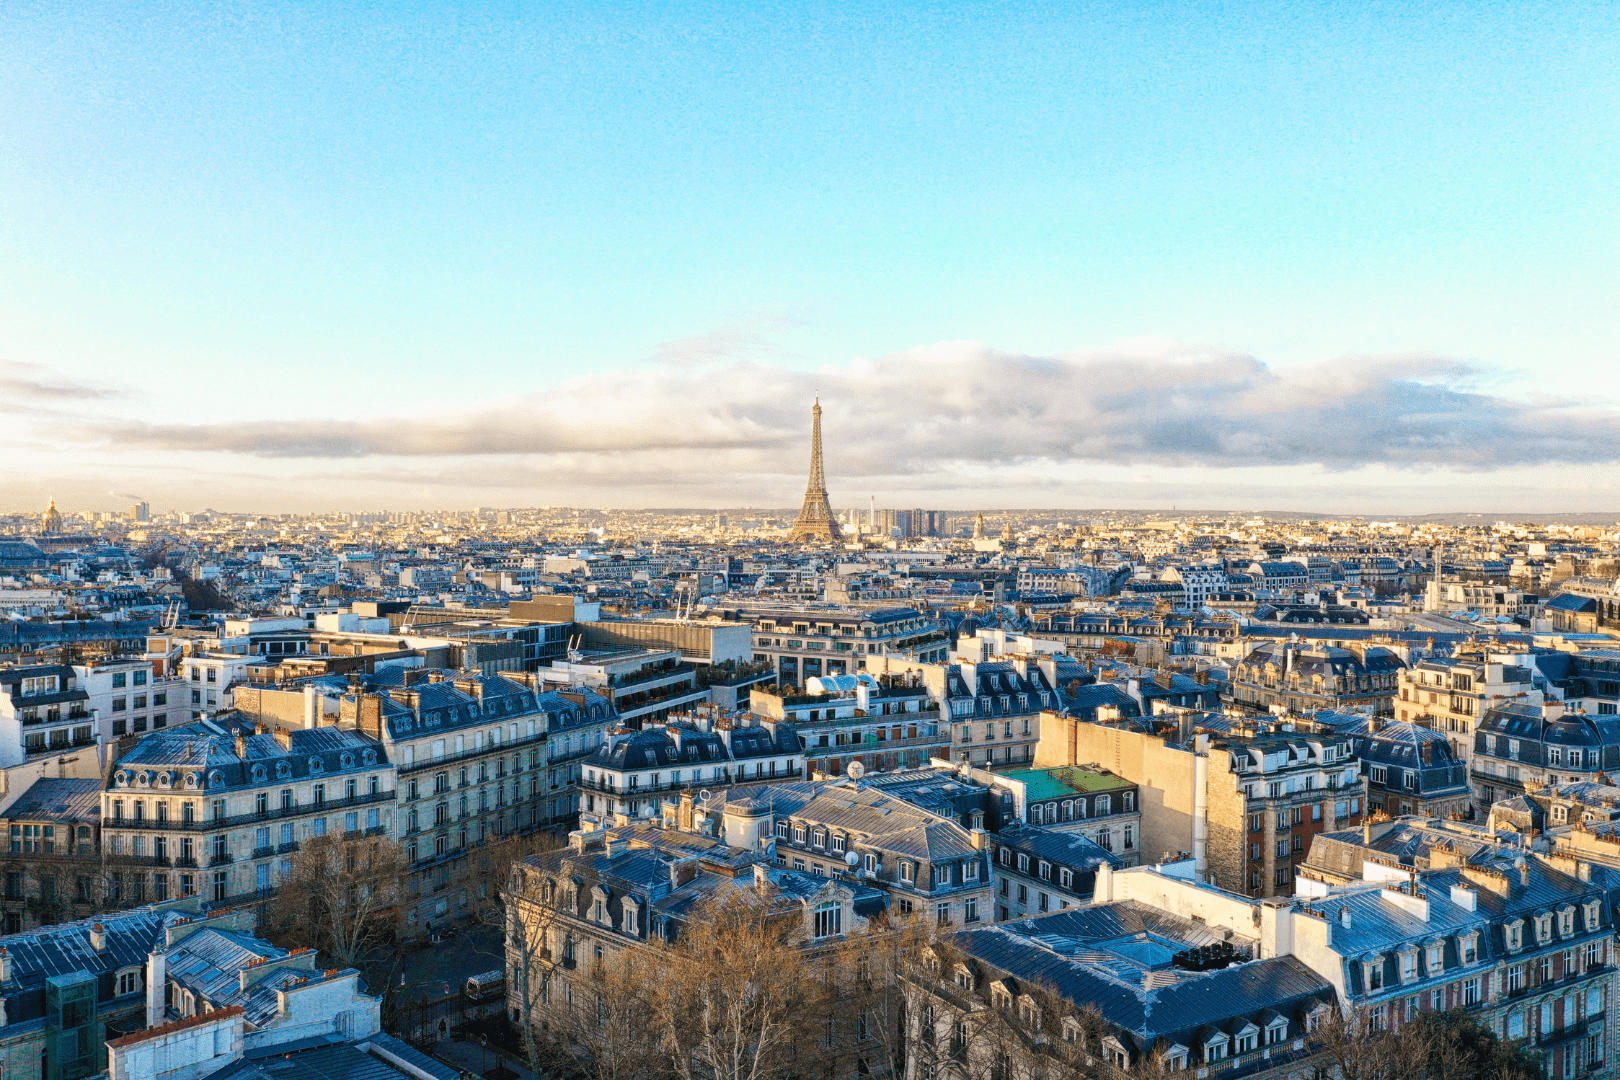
(816, 519)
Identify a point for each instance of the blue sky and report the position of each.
(404, 216)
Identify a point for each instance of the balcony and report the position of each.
(237, 820)
(482, 751)
(263, 852)
(221, 858)
(427, 862)
(1566, 1034)
(691, 785)
(575, 752)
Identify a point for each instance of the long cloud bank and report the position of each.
(959, 403)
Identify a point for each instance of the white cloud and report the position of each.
(919, 413)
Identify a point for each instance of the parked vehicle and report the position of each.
(490, 984)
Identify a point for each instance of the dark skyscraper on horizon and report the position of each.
(815, 521)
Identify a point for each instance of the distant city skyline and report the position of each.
(1305, 257)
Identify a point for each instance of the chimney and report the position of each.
(241, 745)
(1524, 873)
(312, 706)
(683, 819)
(5, 965)
(615, 846)
(98, 937)
(981, 839)
(1344, 916)
(156, 989)
(762, 876)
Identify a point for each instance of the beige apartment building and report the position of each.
(1450, 696)
(1245, 797)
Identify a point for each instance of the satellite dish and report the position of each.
(855, 770)
(851, 859)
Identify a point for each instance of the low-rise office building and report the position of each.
(44, 710)
(885, 724)
(803, 644)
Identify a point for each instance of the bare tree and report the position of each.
(343, 896)
(1444, 1045)
(736, 997)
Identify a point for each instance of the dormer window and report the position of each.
(1175, 1058)
(908, 872)
(1373, 971)
(839, 843)
(1215, 1047)
(1409, 970)
(1513, 935)
(1276, 1031)
(632, 914)
(801, 832)
(1468, 947)
(1543, 929)
(1434, 960)
(970, 871)
(963, 977)
(782, 830)
(1566, 922)
(1248, 1039)
(1594, 914)
(1005, 855)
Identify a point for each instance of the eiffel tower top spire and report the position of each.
(816, 518)
(818, 481)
